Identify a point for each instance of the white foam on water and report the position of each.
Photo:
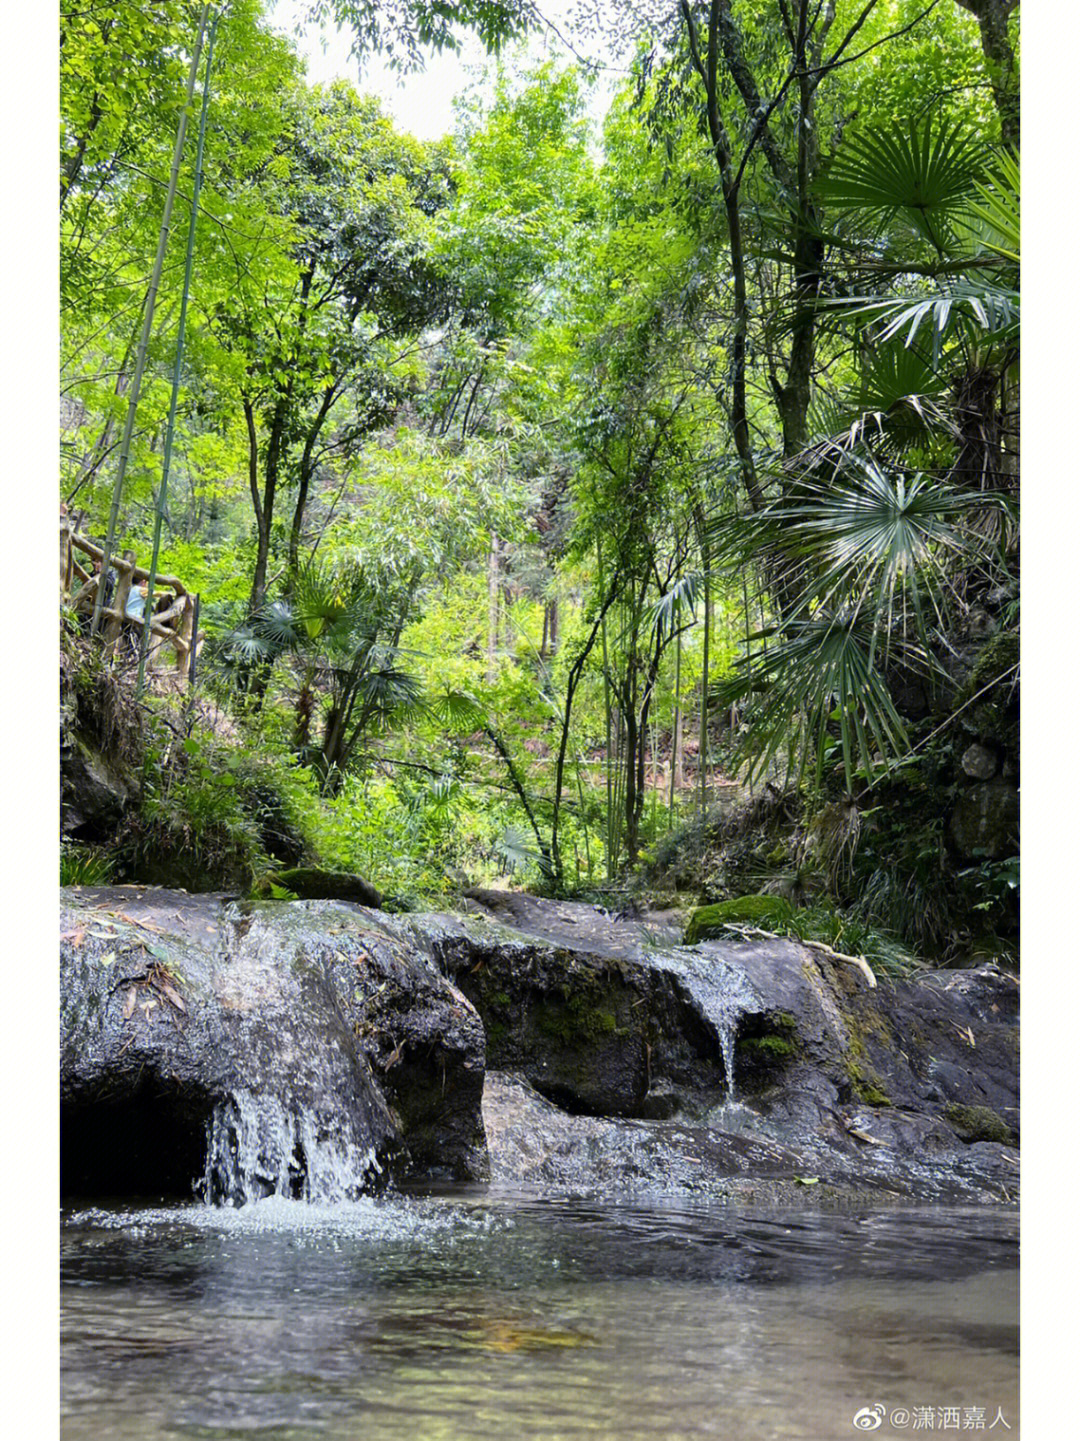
(375, 1219)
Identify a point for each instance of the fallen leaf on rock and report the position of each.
(175, 996)
(129, 1004)
(861, 1135)
(75, 937)
(134, 921)
(108, 960)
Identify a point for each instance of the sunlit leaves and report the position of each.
(923, 174)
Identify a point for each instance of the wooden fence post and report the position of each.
(184, 631)
(65, 556)
(125, 569)
(194, 644)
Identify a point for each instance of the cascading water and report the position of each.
(256, 1147)
(721, 992)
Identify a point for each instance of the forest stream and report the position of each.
(539, 728)
(503, 1316)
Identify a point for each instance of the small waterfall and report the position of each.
(722, 994)
(256, 1147)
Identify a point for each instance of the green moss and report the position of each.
(768, 1048)
(575, 1024)
(765, 911)
(979, 1123)
(873, 1095)
(1000, 653)
(866, 1085)
(498, 998)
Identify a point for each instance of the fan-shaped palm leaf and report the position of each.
(897, 402)
(815, 684)
(924, 175)
(387, 693)
(330, 603)
(864, 537)
(457, 710)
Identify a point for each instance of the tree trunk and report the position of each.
(993, 18)
(264, 504)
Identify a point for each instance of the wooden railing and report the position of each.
(173, 628)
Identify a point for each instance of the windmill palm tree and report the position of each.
(341, 631)
(879, 528)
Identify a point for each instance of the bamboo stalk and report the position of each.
(148, 320)
(676, 736)
(178, 364)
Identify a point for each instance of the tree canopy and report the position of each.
(545, 485)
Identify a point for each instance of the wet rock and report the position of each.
(423, 1039)
(592, 1028)
(856, 1081)
(537, 1146)
(313, 1047)
(316, 1039)
(94, 790)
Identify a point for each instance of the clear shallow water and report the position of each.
(479, 1318)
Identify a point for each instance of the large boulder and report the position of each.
(316, 1047)
(910, 1087)
(95, 790)
(255, 1048)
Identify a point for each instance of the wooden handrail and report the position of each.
(122, 566)
(173, 627)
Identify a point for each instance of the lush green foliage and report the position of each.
(541, 482)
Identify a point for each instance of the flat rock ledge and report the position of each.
(314, 1039)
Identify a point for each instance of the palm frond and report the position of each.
(330, 602)
(457, 710)
(442, 792)
(515, 848)
(685, 593)
(897, 402)
(997, 211)
(246, 645)
(860, 536)
(923, 175)
(991, 309)
(277, 625)
(389, 693)
(816, 692)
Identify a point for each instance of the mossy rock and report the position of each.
(979, 1123)
(865, 1084)
(311, 884)
(991, 694)
(771, 1049)
(998, 656)
(768, 912)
